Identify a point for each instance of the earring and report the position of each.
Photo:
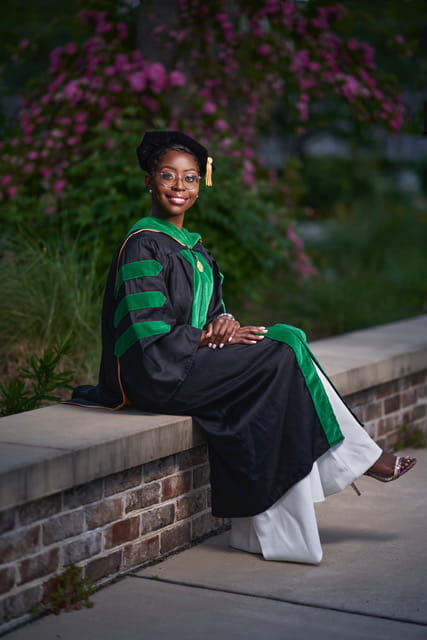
(150, 191)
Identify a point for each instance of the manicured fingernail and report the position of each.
(253, 341)
(261, 337)
(210, 345)
(221, 346)
(230, 339)
(214, 346)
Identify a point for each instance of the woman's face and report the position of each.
(174, 185)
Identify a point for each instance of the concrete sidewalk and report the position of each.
(371, 584)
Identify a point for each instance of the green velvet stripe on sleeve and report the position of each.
(296, 339)
(135, 301)
(138, 331)
(137, 270)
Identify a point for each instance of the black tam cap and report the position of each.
(155, 141)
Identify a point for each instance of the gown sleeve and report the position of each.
(153, 339)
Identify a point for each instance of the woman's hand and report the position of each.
(248, 335)
(228, 331)
(219, 331)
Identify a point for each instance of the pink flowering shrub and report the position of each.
(236, 64)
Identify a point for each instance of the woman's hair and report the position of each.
(156, 157)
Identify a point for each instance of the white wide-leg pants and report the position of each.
(288, 530)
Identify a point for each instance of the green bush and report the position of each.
(47, 293)
(371, 270)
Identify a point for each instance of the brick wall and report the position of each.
(107, 526)
(386, 408)
(136, 516)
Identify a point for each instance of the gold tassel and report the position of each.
(208, 178)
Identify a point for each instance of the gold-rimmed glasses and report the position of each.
(170, 178)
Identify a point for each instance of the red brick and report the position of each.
(20, 603)
(386, 389)
(142, 498)
(422, 391)
(373, 411)
(175, 537)
(391, 404)
(388, 424)
(204, 524)
(7, 520)
(157, 518)
(121, 532)
(123, 480)
(19, 543)
(102, 567)
(159, 468)
(418, 378)
(63, 526)
(408, 397)
(104, 512)
(191, 504)
(419, 411)
(176, 485)
(192, 457)
(83, 494)
(201, 476)
(141, 551)
(7, 578)
(360, 398)
(84, 547)
(39, 565)
(39, 509)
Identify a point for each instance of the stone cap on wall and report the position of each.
(51, 449)
(363, 359)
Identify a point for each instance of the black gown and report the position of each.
(263, 410)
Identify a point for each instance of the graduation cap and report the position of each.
(154, 141)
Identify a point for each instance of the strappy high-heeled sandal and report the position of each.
(401, 466)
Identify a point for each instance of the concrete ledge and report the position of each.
(363, 359)
(62, 446)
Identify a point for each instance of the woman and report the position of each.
(279, 436)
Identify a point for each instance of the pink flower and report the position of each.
(50, 210)
(6, 180)
(81, 116)
(137, 81)
(221, 125)
(353, 44)
(157, 76)
(302, 111)
(399, 39)
(72, 91)
(177, 79)
(80, 128)
(12, 191)
(70, 48)
(59, 186)
(150, 103)
(115, 87)
(73, 140)
(209, 108)
(28, 168)
(33, 155)
(264, 50)
(122, 29)
(24, 44)
(295, 239)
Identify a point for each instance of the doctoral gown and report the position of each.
(262, 407)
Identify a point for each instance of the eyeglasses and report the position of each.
(169, 178)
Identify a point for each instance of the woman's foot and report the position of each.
(389, 467)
